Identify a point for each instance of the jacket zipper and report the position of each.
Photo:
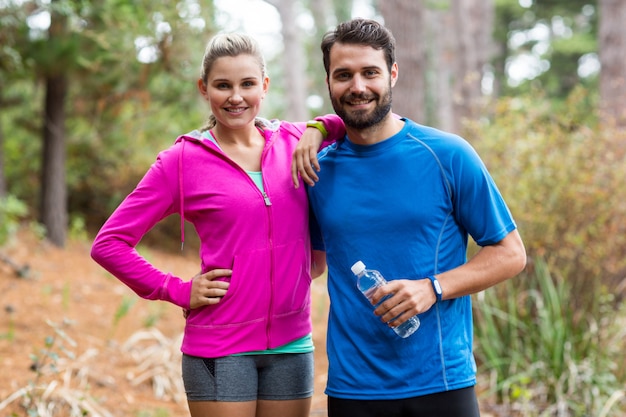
(266, 198)
(270, 237)
(268, 205)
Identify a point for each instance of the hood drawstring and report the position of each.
(180, 190)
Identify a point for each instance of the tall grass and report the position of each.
(541, 357)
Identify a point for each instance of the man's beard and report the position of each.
(362, 119)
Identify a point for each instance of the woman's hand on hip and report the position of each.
(209, 288)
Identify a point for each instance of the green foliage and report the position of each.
(569, 32)
(12, 22)
(121, 109)
(12, 211)
(77, 227)
(550, 343)
(124, 308)
(545, 358)
(156, 313)
(9, 332)
(563, 179)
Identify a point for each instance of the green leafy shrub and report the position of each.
(12, 211)
(563, 177)
(544, 358)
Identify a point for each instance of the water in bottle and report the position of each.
(368, 280)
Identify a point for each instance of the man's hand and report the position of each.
(304, 160)
(408, 298)
(209, 288)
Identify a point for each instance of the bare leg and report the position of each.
(285, 408)
(222, 408)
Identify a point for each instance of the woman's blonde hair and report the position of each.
(232, 45)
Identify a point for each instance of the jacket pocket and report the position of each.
(247, 298)
(292, 278)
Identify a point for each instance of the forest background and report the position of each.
(90, 91)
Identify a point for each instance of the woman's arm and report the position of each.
(318, 263)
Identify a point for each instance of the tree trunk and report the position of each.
(294, 62)
(405, 19)
(53, 187)
(459, 46)
(473, 23)
(53, 210)
(612, 41)
(323, 17)
(441, 68)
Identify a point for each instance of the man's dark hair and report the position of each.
(360, 32)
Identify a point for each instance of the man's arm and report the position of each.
(490, 266)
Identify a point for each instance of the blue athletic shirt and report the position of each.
(404, 206)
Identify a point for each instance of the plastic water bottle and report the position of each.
(368, 280)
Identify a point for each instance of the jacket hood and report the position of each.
(267, 127)
(193, 136)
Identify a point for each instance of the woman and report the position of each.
(247, 347)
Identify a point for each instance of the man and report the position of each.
(403, 198)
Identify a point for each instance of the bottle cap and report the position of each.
(358, 267)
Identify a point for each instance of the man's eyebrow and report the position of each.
(336, 70)
(346, 69)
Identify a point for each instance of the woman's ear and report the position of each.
(266, 85)
(202, 89)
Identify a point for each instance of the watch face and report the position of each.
(436, 285)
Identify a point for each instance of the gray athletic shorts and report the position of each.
(286, 376)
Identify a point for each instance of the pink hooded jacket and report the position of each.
(262, 237)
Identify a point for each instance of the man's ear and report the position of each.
(394, 73)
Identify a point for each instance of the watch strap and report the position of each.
(436, 287)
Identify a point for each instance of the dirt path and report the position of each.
(67, 290)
